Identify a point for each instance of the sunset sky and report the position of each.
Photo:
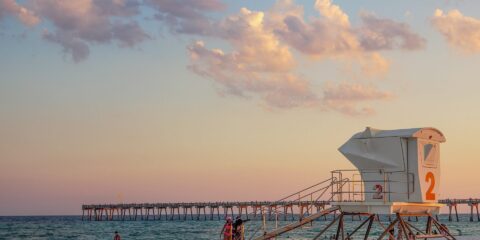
(187, 100)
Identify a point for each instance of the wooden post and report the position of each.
(456, 212)
(478, 216)
(449, 212)
(471, 211)
(301, 212)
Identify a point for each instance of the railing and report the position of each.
(379, 185)
(316, 194)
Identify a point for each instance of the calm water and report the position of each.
(71, 227)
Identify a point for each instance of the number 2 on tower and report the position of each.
(430, 195)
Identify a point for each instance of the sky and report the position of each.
(185, 100)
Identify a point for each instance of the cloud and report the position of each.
(26, 16)
(462, 32)
(186, 16)
(327, 36)
(281, 90)
(259, 66)
(77, 25)
(386, 34)
(345, 97)
(77, 48)
(331, 35)
(258, 63)
(257, 48)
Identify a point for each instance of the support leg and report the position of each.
(340, 227)
(325, 229)
(387, 230)
(449, 212)
(429, 225)
(478, 216)
(369, 227)
(471, 212)
(456, 212)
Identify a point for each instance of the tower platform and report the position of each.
(403, 208)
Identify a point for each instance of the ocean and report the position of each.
(72, 227)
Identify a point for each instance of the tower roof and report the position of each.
(423, 133)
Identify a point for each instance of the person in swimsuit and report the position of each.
(227, 230)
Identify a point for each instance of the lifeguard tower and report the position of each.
(397, 174)
(398, 171)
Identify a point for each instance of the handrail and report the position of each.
(384, 179)
(304, 193)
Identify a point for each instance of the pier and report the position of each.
(452, 206)
(283, 210)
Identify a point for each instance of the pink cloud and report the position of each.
(79, 24)
(461, 32)
(186, 16)
(25, 15)
(239, 76)
(345, 97)
(259, 63)
(386, 34)
(331, 35)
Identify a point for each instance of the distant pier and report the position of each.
(283, 210)
(452, 206)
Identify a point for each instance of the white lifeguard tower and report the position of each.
(398, 171)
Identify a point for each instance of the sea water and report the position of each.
(72, 227)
